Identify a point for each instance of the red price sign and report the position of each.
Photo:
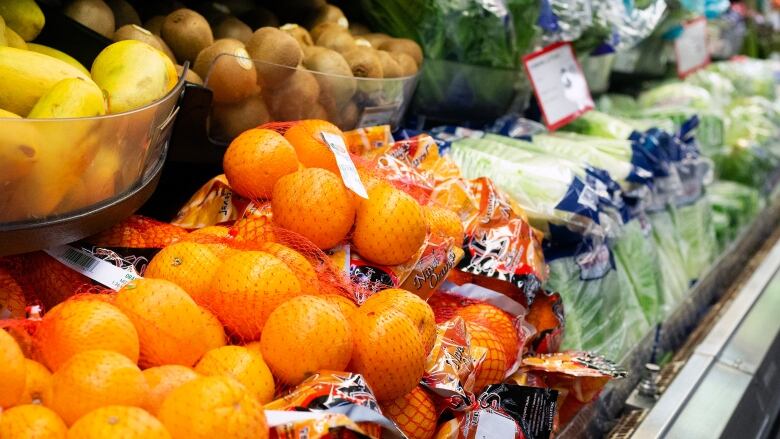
(559, 84)
(690, 48)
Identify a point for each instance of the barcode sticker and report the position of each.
(93, 267)
(348, 170)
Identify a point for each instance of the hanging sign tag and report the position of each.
(690, 48)
(559, 84)
(349, 172)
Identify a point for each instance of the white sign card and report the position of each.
(690, 48)
(559, 84)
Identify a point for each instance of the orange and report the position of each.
(245, 365)
(256, 159)
(31, 421)
(297, 263)
(499, 322)
(390, 225)
(412, 306)
(345, 305)
(172, 328)
(304, 335)
(12, 371)
(49, 279)
(388, 352)
(213, 407)
(448, 430)
(37, 384)
(255, 230)
(162, 380)
(414, 413)
(212, 231)
(118, 421)
(493, 367)
(138, 232)
(93, 379)
(312, 151)
(217, 238)
(444, 222)
(81, 325)
(189, 265)
(315, 204)
(11, 297)
(247, 287)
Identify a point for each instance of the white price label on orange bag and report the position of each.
(347, 168)
(690, 48)
(559, 84)
(93, 267)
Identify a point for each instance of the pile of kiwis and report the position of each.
(259, 70)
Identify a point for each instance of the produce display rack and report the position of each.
(599, 418)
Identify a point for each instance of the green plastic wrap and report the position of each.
(734, 205)
(602, 315)
(674, 278)
(636, 257)
(697, 236)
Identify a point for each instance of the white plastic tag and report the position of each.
(93, 267)
(690, 48)
(348, 170)
(381, 115)
(493, 425)
(559, 84)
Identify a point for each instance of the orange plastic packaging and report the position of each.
(361, 141)
(578, 377)
(344, 392)
(449, 369)
(213, 204)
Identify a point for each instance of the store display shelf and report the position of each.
(598, 418)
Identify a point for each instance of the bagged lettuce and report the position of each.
(603, 313)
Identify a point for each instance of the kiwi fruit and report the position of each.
(408, 65)
(336, 39)
(229, 120)
(347, 117)
(404, 45)
(316, 111)
(358, 29)
(190, 76)
(329, 14)
(232, 27)
(364, 62)
(135, 32)
(376, 39)
(293, 98)
(390, 67)
(124, 13)
(309, 51)
(187, 33)
(340, 87)
(165, 49)
(231, 78)
(273, 46)
(94, 14)
(300, 34)
(154, 24)
(260, 17)
(320, 28)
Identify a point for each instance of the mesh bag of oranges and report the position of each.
(305, 178)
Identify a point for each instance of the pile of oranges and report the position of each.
(227, 318)
(299, 174)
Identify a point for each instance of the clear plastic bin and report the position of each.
(57, 168)
(283, 93)
(454, 92)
